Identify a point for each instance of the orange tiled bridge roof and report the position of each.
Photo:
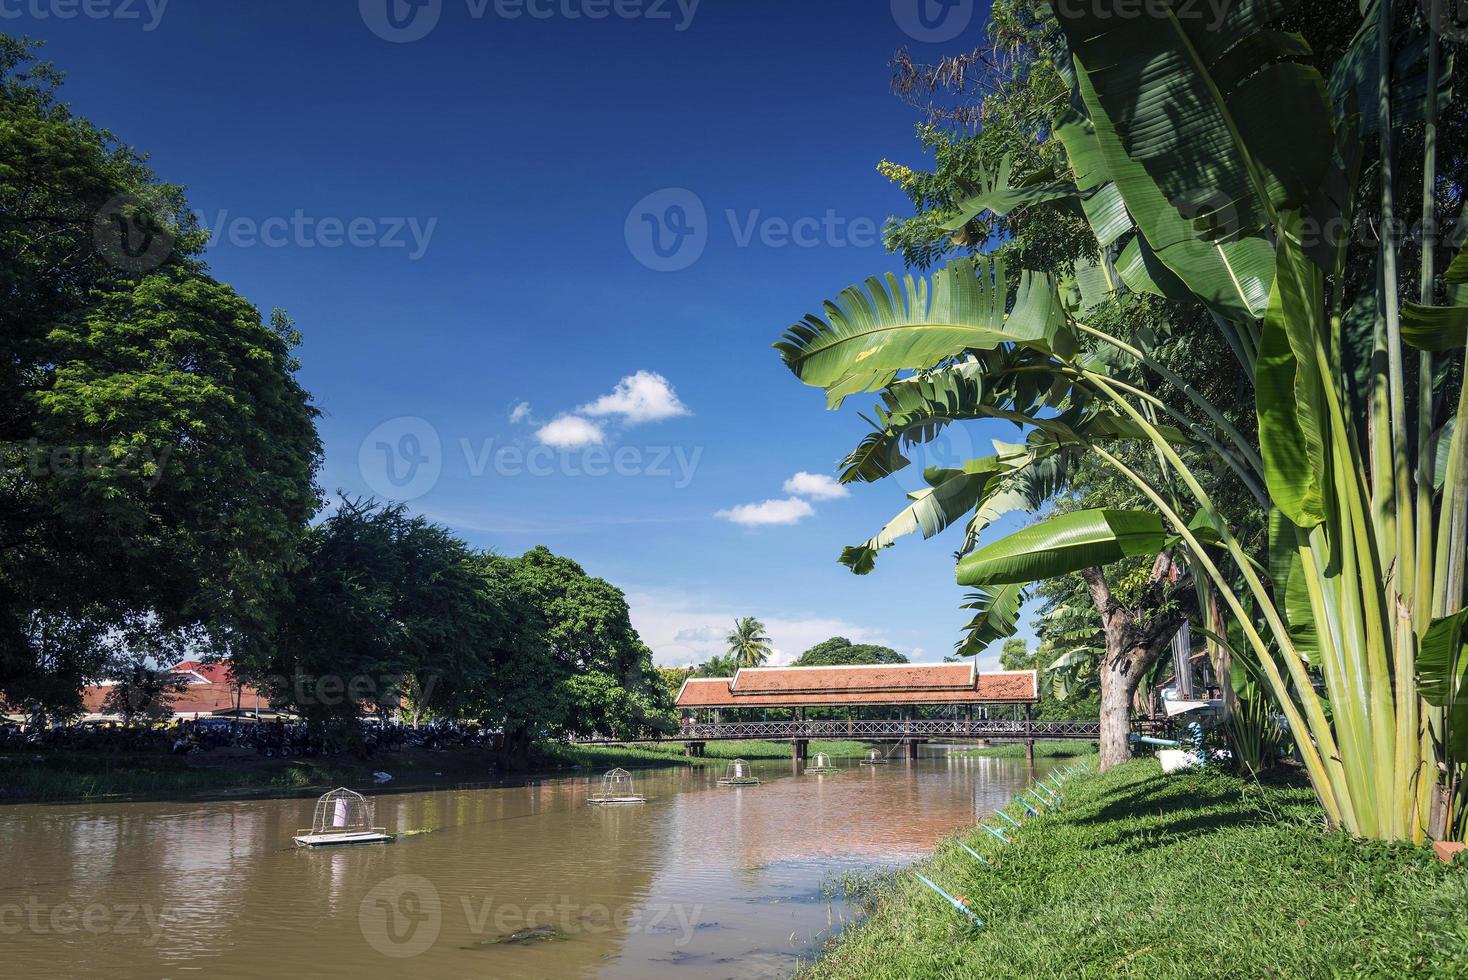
(790, 687)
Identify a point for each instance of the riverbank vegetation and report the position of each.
(66, 777)
(1238, 378)
(1048, 748)
(1199, 874)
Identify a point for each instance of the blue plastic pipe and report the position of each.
(951, 900)
(1015, 823)
(977, 856)
(997, 833)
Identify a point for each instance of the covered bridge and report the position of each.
(921, 701)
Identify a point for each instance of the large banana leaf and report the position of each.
(915, 410)
(1231, 279)
(996, 616)
(1287, 573)
(1199, 103)
(1441, 327)
(1442, 676)
(1354, 81)
(872, 334)
(1289, 389)
(999, 194)
(1063, 545)
(1101, 199)
(949, 498)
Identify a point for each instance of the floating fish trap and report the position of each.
(738, 773)
(616, 787)
(822, 763)
(342, 817)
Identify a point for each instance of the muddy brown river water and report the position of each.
(701, 881)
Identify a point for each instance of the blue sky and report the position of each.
(479, 205)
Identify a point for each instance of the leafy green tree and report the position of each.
(838, 650)
(1015, 655)
(719, 665)
(748, 644)
(587, 671)
(157, 453)
(383, 602)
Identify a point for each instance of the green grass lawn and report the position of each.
(1143, 875)
(1016, 750)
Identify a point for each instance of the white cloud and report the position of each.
(570, 432)
(520, 413)
(786, 511)
(641, 397)
(684, 630)
(817, 486)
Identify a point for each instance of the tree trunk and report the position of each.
(1135, 638)
(1116, 715)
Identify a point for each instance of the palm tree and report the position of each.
(748, 644)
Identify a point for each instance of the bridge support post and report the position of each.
(799, 749)
(693, 749)
(1030, 752)
(912, 748)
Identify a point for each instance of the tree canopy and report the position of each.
(838, 650)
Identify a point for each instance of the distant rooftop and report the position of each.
(789, 687)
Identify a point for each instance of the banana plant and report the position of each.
(1177, 125)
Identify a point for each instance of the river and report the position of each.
(701, 881)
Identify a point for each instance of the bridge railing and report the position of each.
(891, 728)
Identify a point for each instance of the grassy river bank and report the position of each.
(68, 777)
(1144, 875)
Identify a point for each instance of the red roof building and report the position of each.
(208, 689)
(817, 687)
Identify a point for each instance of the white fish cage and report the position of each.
(739, 773)
(822, 763)
(616, 787)
(874, 757)
(342, 817)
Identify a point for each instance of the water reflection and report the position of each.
(702, 880)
